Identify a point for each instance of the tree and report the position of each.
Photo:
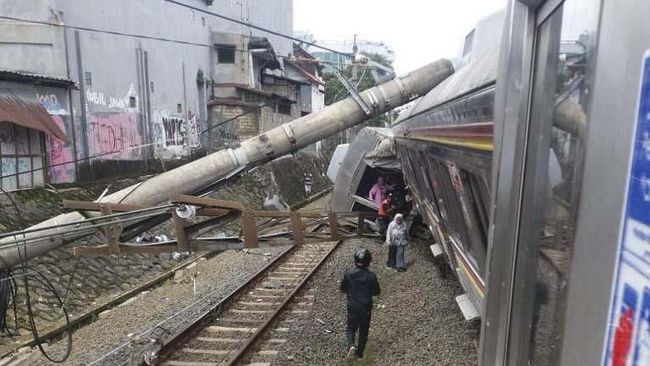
(335, 91)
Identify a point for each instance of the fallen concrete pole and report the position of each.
(287, 138)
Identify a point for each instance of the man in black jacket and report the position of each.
(360, 285)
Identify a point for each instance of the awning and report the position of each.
(29, 114)
(383, 156)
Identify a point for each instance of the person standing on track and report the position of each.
(397, 240)
(360, 285)
(384, 213)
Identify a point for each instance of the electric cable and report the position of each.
(115, 33)
(82, 159)
(47, 285)
(257, 27)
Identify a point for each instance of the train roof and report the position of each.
(477, 68)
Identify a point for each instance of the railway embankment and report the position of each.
(88, 283)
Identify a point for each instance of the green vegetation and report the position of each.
(335, 91)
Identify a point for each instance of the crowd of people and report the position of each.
(390, 221)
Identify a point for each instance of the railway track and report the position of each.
(247, 326)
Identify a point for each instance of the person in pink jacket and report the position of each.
(379, 191)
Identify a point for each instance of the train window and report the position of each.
(457, 224)
(558, 117)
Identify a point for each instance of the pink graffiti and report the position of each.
(115, 133)
(60, 157)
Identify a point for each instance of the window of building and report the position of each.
(88, 78)
(284, 107)
(225, 54)
(22, 157)
(179, 108)
(132, 102)
(151, 85)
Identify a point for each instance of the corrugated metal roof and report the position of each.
(24, 76)
(30, 115)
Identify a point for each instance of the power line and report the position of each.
(116, 33)
(250, 25)
(80, 159)
(95, 30)
(171, 40)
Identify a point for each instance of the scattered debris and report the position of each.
(149, 237)
(179, 256)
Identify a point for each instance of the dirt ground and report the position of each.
(415, 320)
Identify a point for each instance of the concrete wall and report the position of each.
(31, 47)
(133, 90)
(239, 72)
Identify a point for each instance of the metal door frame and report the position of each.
(516, 157)
(623, 36)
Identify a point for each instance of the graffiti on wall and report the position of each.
(175, 135)
(175, 131)
(51, 103)
(115, 133)
(60, 156)
(98, 98)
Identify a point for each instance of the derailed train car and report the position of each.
(444, 143)
(371, 155)
(443, 148)
(531, 166)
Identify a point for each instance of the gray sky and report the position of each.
(419, 31)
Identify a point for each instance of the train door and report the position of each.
(544, 93)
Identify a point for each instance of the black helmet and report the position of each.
(362, 257)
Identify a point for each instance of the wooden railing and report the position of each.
(301, 226)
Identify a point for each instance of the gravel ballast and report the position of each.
(415, 320)
(123, 330)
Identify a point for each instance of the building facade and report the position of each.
(132, 84)
(332, 60)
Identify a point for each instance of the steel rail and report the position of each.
(261, 330)
(208, 316)
(56, 332)
(169, 347)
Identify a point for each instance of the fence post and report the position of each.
(334, 226)
(296, 224)
(182, 241)
(360, 223)
(249, 227)
(111, 232)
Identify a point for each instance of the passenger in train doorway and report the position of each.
(360, 285)
(384, 213)
(397, 240)
(379, 191)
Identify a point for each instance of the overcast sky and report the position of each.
(419, 31)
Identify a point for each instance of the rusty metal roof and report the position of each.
(23, 76)
(30, 115)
